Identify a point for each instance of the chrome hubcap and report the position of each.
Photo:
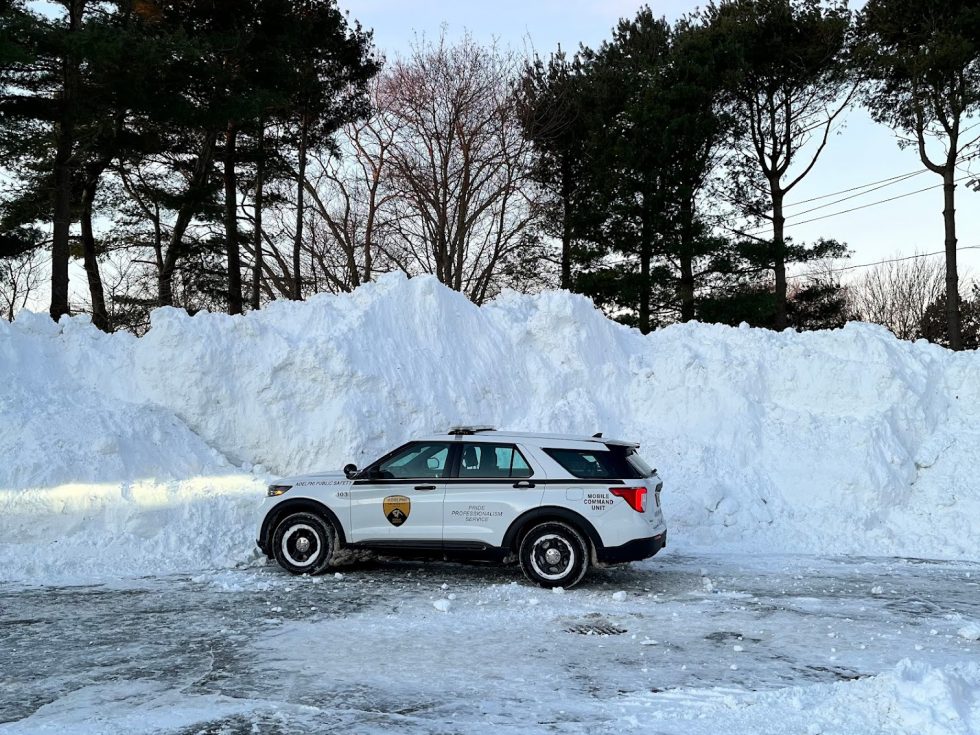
(302, 545)
(552, 556)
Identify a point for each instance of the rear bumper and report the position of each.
(641, 548)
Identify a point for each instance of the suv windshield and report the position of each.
(613, 462)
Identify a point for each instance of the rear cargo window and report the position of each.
(619, 463)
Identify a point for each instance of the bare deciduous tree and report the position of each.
(460, 165)
(19, 279)
(352, 196)
(896, 294)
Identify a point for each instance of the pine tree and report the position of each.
(553, 103)
(920, 60)
(787, 81)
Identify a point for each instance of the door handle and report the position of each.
(425, 487)
(523, 484)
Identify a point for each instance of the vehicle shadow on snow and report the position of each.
(642, 577)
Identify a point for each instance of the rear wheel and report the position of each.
(304, 543)
(554, 554)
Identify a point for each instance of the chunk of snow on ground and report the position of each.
(970, 631)
(443, 605)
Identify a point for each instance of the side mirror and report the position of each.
(432, 463)
(350, 470)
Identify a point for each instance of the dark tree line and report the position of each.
(223, 153)
(652, 144)
(160, 109)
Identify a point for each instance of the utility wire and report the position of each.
(853, 196)
(883, 182)
(626, 259)
(757, 230)
(869, 187)
(883, 262)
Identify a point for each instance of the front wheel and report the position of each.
(554, 554)
(304, 543)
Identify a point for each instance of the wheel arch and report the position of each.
(526, 520)
(299, 505)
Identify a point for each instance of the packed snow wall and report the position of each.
(124, 456)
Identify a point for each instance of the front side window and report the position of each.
(493, 461)
(425, 459)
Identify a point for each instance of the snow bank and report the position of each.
(837, 442)
(912, 698)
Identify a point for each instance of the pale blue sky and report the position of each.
(861, 152)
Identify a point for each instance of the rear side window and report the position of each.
(616, 463)
(493, 460)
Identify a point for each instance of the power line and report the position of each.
(885, 182)
(757, 230)
(854, 196)
(627, 259)
(866, 188)
(883, 262)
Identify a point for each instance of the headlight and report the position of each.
(276, 490)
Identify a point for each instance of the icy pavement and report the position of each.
(679, 644)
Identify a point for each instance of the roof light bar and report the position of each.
(464, 430)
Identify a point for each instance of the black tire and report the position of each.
(304, 543)
(553, 554)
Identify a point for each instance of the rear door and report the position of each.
(400, 499)
(491, 484)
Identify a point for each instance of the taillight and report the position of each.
(635, 496)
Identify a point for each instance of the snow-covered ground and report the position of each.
(135, 467)
(693, 644)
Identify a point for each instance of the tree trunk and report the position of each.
(257, 237)
(100, 315)
(165, 288)
(188, 208)
(63, 165)
(60, 244)
(686, 287)
(231, 223)
(566, 225)
(779, 258)
(368, 244)
(300, 212)
(952, 278)
(645, 255)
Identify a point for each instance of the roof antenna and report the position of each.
(597, 435)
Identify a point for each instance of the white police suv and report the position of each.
(554, 503)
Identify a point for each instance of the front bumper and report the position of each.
(635, 550)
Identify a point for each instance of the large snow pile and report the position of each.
(124, 455)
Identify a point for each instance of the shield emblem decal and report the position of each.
(397, 509)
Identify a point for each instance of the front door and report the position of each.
(400, 499)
